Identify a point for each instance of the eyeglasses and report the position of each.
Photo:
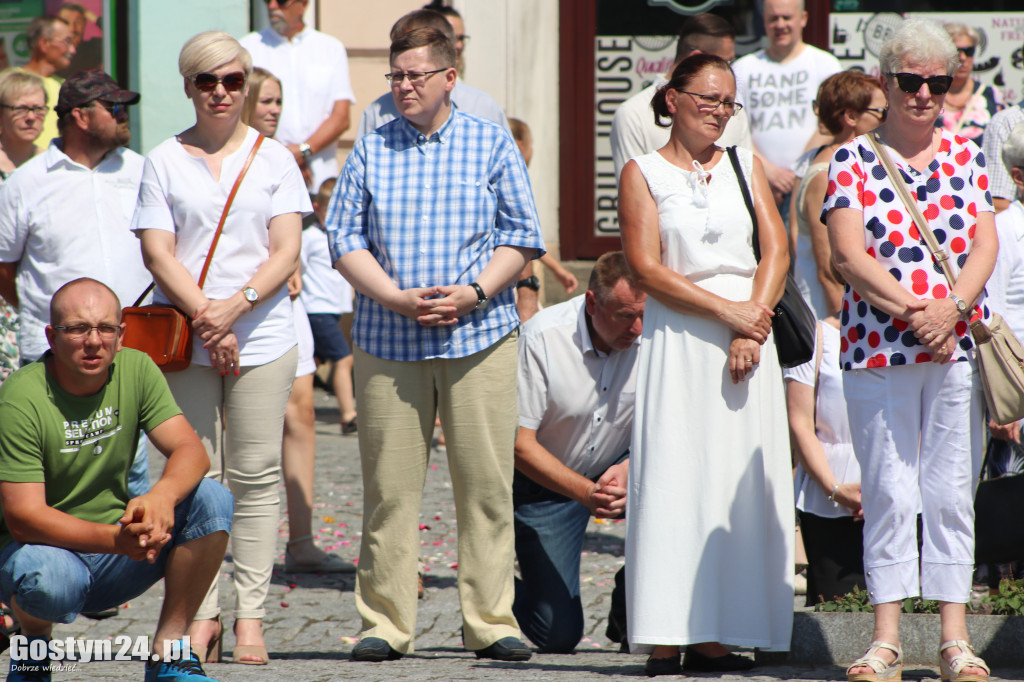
(81, 331)
(709, 103)
(911, 83)
(21, 111)
(280, 3)
(416, 79)
(880, 113)
(207, 82)
(966, 51)
(114, 109)
(461, 38)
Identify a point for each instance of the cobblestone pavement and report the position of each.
(311, 621)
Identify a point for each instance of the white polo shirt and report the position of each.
(577, 399)
(313, 69)
(324, 290)
(180, 195)
(63, 221)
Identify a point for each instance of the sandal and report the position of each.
(253, 651)
(212, 652)
(952, 669)
(881, 670)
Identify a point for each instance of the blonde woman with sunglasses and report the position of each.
(244, 356)
(913, 394)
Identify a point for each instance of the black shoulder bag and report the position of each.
(793, 325)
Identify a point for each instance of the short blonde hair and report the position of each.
(258, 77)
(208, 50)
(14, 83)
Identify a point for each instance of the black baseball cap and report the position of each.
(90, 85)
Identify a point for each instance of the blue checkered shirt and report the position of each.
(432, 211)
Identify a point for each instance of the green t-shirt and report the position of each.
(81, 447)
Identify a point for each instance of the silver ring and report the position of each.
(750, 362)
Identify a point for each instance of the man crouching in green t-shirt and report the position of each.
(71, 538)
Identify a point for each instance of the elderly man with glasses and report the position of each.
(51, 46)
(432, 220)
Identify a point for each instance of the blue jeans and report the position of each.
(56, 584)
(550, 529)
(138, 475)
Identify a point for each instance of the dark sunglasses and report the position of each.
(207, 82)
(966, 51)
(911, 83)
(114, 109)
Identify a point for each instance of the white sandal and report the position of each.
(881, 670)
(952, 669)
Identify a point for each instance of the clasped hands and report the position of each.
(437, 306)
(933, 321)
(752, 321)
(213, 322)
(607, 496)
(145, 527)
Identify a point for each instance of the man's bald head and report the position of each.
(74, 291)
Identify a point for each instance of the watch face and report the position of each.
(250, 295)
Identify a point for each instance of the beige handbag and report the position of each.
(999, 352)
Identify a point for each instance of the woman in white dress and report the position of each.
(709, 544)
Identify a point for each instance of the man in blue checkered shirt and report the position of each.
(431, 222)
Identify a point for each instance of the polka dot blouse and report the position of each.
(950, 193)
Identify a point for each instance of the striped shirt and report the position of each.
(432, 211)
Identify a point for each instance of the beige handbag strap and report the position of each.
(896, 177)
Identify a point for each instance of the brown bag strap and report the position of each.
(223, 218)
(227, 207)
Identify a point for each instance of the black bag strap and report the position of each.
(734, 159)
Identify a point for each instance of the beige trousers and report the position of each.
(241, 422)
(475, 398)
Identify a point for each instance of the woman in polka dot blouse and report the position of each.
(914, 398)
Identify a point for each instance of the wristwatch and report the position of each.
(961, 304)
(531, 282)
(481, 297)
(251, 295)
(305, 150)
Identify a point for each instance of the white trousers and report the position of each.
(917, 434)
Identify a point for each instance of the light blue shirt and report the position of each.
(432, 211)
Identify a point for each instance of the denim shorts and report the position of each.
(56, 584)
(329, 344)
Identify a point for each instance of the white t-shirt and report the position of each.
(180, 195)
(313, 68)
(324, 290)
(63, 221)
(634, 132)
(577, 399)
(468, 99)
(831, 426)
(778, 98)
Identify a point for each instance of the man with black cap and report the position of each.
(65, 214)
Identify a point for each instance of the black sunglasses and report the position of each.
(207, 82)
(911, 83)
(966, 51)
